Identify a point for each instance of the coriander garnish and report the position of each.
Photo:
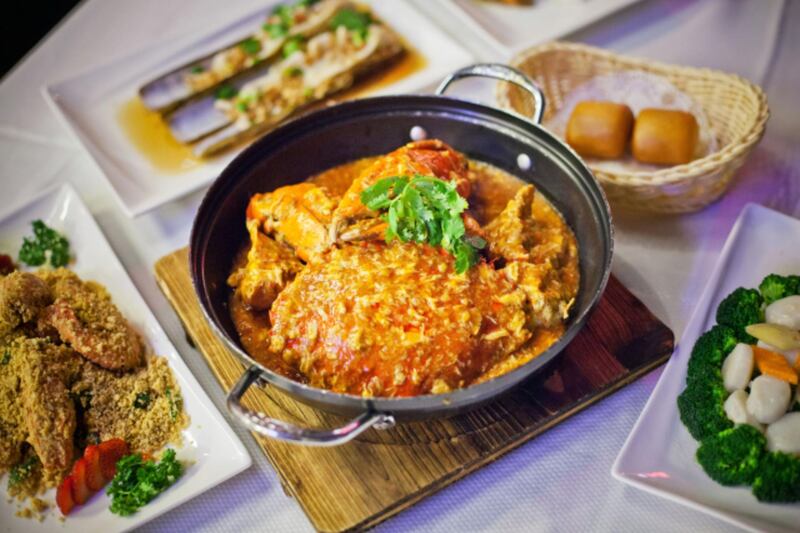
(424, 209)
(6, 357)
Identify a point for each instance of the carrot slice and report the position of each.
(775, 365)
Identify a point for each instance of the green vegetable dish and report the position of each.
(741, 399)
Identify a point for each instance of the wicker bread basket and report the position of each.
(737, 112)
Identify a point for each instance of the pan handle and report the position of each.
(283, 431)
(503, 73)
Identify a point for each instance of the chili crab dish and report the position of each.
(416, 272)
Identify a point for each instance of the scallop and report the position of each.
(784, 435)
(790, 355)
(769, 398)
(736, 410)
(738, 367)
(785, 312)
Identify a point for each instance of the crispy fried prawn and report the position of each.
(87, 320)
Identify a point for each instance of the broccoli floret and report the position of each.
(708, 354)
(774, 287)
(731, 457)
(777, 478)
(701, 409)
(741, 308)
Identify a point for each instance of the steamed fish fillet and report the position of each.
(331, 62)
(231, 61)
(198, 76)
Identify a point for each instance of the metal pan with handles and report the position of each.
(367, 127)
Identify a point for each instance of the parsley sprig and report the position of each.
(424, 209)
(23, 470)
(46, 244)
(137, 481)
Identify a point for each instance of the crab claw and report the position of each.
(297, 215)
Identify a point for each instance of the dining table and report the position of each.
(559, 481)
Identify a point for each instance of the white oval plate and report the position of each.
(659, 454)
(211, 449)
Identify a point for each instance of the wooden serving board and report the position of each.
(360, 484)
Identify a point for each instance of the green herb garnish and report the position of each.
(285, 13)
(46, 243)
(6, 357)
(250, 46)
(291, 72)
(23, 470)
(292, 45)
(276, 31)
(175, 404)
(197, 69)
(142, 400)
(357, 22)
(226, 92)
(137, 482)
(424, 209)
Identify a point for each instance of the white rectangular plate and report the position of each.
(659, 453)
(89, 103)
(508, 29)
(213, 453)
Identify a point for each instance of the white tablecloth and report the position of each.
(559, 481)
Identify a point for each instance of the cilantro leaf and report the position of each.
(424, 209)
